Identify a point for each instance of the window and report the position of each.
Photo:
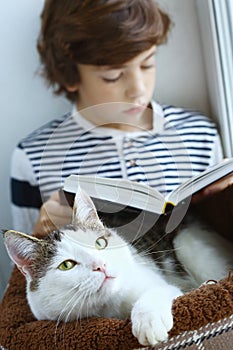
(216, 24)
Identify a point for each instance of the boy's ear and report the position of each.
(21, 249)
(72, 88)
(84, 210)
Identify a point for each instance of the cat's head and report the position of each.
(74, 271)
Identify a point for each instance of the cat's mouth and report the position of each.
(106, 280)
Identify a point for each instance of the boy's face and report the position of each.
(125, 90)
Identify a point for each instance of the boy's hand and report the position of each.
(52, 216)
(214, 188)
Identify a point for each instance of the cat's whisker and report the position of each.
(69, 300)
(64, 316)
(152, 254)
(73, 301)
(69, 292)
(77, 300)
(149, 251)
(88, 298)
(143, 238)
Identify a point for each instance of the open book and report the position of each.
(137, 195)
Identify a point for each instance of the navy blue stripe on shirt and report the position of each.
(25, 195)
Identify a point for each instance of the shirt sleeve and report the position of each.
(25, 194)
(217, 152)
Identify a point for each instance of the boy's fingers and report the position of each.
(52, 216)
(55, 209)
(217, 186)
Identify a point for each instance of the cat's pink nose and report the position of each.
(99, 268)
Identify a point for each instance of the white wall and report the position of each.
(26, 103)
(180, 65)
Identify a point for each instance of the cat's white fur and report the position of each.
(112, 282)
(205, 254)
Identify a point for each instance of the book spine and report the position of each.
(168, 206)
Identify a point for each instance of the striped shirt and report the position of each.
(180, 145)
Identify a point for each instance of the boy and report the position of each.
(101, 55)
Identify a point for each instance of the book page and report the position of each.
(199, 182)
(118, 191)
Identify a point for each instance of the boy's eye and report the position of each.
(111, 80)
(148, 66)
(67, 265)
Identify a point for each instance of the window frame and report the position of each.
(215, 18)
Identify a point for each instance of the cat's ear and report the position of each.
(21, 249)
(84, 210)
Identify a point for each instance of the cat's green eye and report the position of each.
(101, 243)
(67, 265)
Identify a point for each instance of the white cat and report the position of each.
(88, 270)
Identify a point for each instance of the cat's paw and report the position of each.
(152, 327)
(152, 318)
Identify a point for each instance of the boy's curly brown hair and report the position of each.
(95, 32)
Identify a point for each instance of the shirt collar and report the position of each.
(158, 124)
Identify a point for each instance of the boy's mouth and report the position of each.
(135, 110)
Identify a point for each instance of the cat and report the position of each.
(87, 269)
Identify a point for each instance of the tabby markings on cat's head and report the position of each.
(34, 256)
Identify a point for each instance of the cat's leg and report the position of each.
(203, 253)
(151, 315)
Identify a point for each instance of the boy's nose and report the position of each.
(135, 87)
